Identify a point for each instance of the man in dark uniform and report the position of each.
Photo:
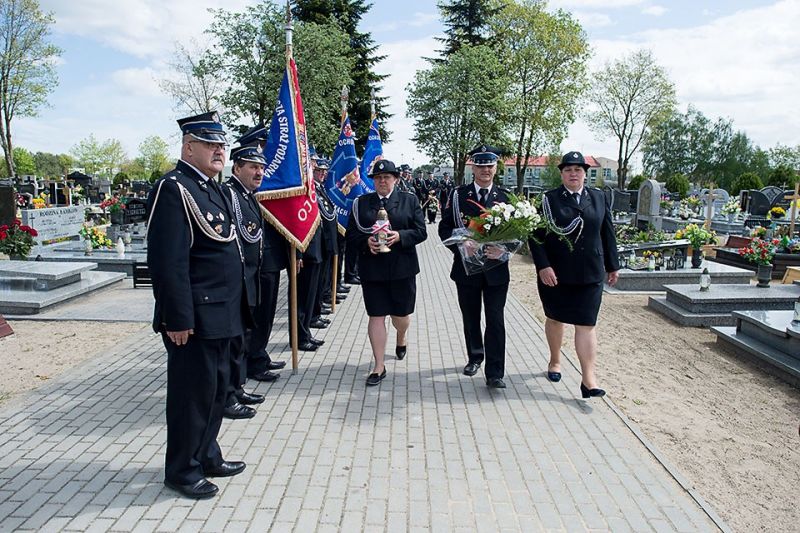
(196, 264)
(330, 232)
(307, 287)
(490, 286)
(248, 170)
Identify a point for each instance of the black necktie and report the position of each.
(577, 197)
(383, 202)
(482, 194)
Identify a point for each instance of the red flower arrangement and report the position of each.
(17, 240)
(113, 204)
(760, 251)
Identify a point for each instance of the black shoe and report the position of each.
(249, 398)
(201, 490)
(555, 377)
(307, 347)
(276, 365)
(340, 298)
(266, 375)
(400, 352)
(345, 286)
(238, 411)
(225, 469)
(471, 369)
(375, 378)
(353, 281)
(342, 288)
(318, 342)
(591, 393)
(318, 324)
(325, 311)
(495, 383)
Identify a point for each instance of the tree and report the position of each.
(678, 183)
(467, 23)
(362, 52)
(89, 154)
(65, 163)
(632, 95)
(545, 55)
(250, 53)
(193, 86)
(23, 162)
(745, 182)
(551, 176)
(459, 103)
(27, 69)
(636, 182)
(785, 155)
(154, 156)
(47, 165)
(782, 176)
(113, 156)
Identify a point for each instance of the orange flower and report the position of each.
(476, 226)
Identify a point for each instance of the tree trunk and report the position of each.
(621, 170)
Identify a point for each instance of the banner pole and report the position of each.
(333, 283)
(293, 306)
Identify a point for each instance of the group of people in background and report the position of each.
(216, 263)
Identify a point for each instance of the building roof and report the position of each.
(541, 161)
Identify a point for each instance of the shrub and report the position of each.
(678, 183)
(636, 182)
(748, 180)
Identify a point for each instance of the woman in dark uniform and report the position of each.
(570, 278)
(388, 279)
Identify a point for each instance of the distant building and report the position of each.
(599, 167)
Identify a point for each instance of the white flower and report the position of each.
(487, 226)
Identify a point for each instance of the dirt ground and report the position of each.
(39, 351)
(728, 427)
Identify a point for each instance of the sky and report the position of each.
(735, 59)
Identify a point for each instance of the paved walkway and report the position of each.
(428, 450)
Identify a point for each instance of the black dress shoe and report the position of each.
(249, 398)
(353, 281)
(325, 311)
(591, 393)
(345, 286)
(400, 352)
(495, 383)
(318, 324)
(342, 288)
(318, 342)
(471, 369)
(276, 365)
(340, 298)
(307, 347)
(225, 469)
(555, 377)
(200, 490)
(375, 378)
(238, 411)
(266, 375)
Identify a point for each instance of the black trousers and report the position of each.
(256, 339)
(307, 287)
(490, 345)
(324, 289)
(350, 263)
(197, 377)
(341, 250)
(238, 374)
(431, 217)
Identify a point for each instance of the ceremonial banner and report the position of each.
(373, 151)
(287, 195)
(343, 181)
(286, 149)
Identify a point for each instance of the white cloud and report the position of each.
(137, 82)
(730, 68)
(594, 4)
(656, 11)
(417, 20)
(592, 20)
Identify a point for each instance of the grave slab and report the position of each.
(644, 280)
(29, 302)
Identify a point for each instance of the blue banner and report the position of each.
(286, 149)
(373, 151)
(343, 181)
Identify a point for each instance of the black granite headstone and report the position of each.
(135, 211)
(759, 204)
(772, 192)
(8, 207)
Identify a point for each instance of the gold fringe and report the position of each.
(283, 193)
(280, 228)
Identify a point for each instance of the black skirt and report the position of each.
(572, 304)
(395, 297)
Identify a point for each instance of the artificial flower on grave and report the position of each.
(38, 203)
(98, 237)
(113, 204)
(731, 207)
(22, 201)
(777, 212)
(758, 231)
(17, 240)
(697, 235)
(760, 251)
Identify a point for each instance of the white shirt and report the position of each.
(478, 189)
(580, 193)
(198, 171)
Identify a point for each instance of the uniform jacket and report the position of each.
(197, 281)
(406, 218)
(452, 219)
(249, 228)
(276, 251)
(593, 253)
(328, 221)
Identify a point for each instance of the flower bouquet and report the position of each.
(16, 240)
(731, 207)
(96, 236)
(697, 235)
(492, 238)
(113, 205)
(777, 212)
(760, 251)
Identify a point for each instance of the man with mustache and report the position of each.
(195, 260)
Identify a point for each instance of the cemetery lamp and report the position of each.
(670, 263)
(705, 280)
(796, 318)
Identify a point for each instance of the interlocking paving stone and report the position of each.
(427, 450)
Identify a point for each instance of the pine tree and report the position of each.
(467, 23)
(348, 13)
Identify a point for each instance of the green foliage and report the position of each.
(99, 159)
(746, 181)
(632, 95)
(120, 179)
(153, 156)
(782, 155)
(459, 103)
(636, 182)
(249, 51)
(782, 176)
(467, 23)
(23, 162)
(678, 183)
(27, 66)
(47, 165)
(546, 55)
(551, 176)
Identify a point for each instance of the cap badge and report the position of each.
(574, 155)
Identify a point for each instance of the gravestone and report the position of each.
(27, 188)
(721, 197)
(8, 205)
(141, 188)
(57, 196)
(135, 211)
(759, 204)
(772, 193)
(648, 206)
(93, 193)
(617, 200)
(54, 222)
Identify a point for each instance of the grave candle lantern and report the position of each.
(796, 318)
(705, 280)
(670, 263)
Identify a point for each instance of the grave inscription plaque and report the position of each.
(55, 222)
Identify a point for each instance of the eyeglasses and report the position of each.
(382, 177)
(211, 146)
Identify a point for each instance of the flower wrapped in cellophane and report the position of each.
(492, 238)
